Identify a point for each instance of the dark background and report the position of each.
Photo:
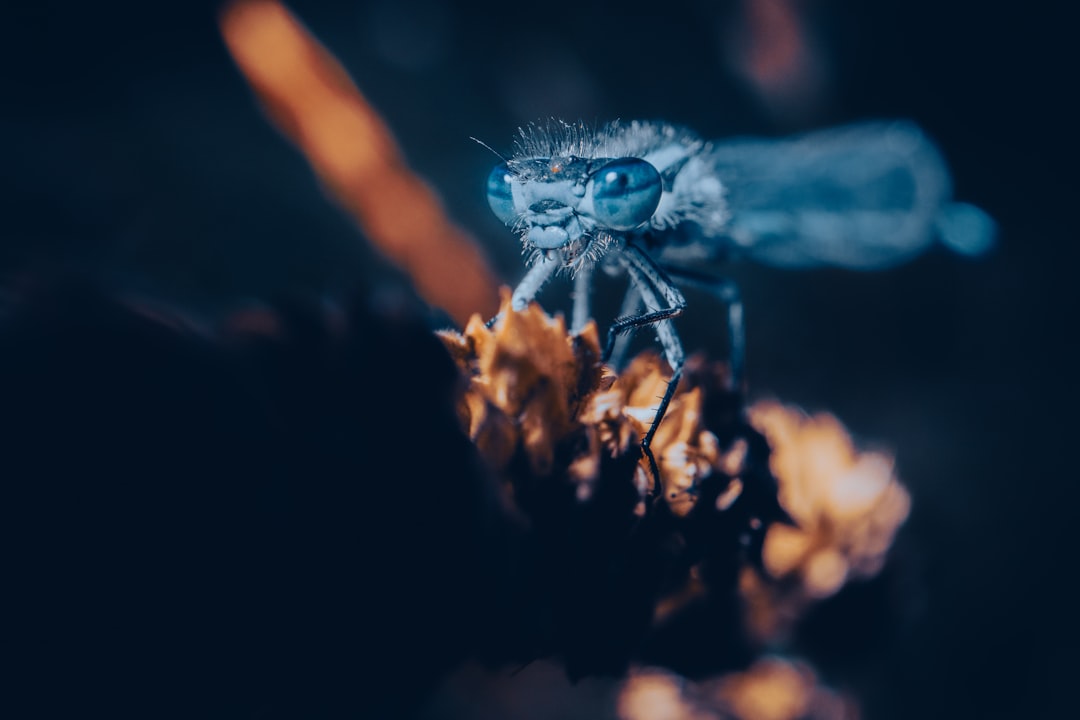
(131, 150)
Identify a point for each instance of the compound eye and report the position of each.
(625, 193)
(499, 195)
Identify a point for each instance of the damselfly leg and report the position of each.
(655, 289)
(727, 292)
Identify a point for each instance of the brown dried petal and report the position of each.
(771, 689)
(847, 507)
(778, 689)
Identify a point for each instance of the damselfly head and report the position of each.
(560, 202)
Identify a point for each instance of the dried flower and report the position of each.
(773, 688)
(531, 384)
(562, 432)
(528, 379)
(847, 506)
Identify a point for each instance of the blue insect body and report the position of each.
(654, 201)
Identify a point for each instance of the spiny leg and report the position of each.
(582, 287)
(647, 283)
(661, 410)
(624, 326)
(531, 284)
(651, 283)
(728, 293)
(632, 305)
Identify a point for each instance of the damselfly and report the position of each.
(655, 202)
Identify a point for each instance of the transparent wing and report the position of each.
(863, 196)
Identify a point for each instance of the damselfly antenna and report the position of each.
(495, 152)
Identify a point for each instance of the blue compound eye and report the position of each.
(625, 193)
(499, 195)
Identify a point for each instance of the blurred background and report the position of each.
(132, 150)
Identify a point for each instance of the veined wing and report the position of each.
(864, 196)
